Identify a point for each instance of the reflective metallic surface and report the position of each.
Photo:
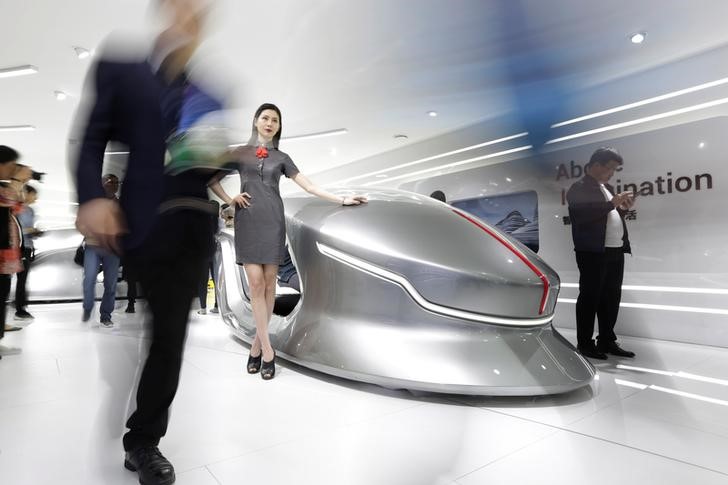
(54, 276)
(405, 292)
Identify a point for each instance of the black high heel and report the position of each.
(254, 363)
(268, 370)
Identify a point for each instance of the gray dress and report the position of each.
(260, 230)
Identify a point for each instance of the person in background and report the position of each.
(210, 273)
(600, 241)
(26, 218)
(224, 215)
(95, 257)
(128, 274)
(288, 274)
(10, 237)
(439, 195)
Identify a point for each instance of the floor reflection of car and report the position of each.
(408, 292)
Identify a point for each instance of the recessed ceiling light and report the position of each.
(432, 114)
(82, 53)
(18, 71)
(638, 37)
(17, 128)
(60, 95)
(400, 137)
(701, 145)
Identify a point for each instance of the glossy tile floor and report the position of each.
(63, 401)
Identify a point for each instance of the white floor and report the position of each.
(64, 398)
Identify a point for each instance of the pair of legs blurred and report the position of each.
(210, 273)
(93, 259)
(262, 284)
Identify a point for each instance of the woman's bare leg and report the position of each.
(257, 286)
(270, 273)
(271, 277)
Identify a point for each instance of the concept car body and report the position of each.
(54, 276)
(409, 292)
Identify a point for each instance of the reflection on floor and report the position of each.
(662, 419)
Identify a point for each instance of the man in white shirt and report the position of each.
(600, 241)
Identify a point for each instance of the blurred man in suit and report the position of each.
(162, 224)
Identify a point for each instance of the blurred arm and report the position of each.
(98, 217)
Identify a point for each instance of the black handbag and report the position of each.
(80, 252)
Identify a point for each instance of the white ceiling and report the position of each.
(374, 67)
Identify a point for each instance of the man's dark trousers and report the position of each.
(21, 294)
(170, 265)
(600, 291)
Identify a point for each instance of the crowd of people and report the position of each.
(17, 231)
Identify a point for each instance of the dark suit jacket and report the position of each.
(588, 213)
(126, 109)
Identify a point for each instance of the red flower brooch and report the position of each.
(261, 152)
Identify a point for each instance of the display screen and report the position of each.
(515, 214)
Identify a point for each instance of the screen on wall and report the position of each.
(515, 214)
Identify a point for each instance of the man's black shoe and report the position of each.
(152, 466)
(592, 352)
(614, 349)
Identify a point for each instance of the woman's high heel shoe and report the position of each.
(254, 363)
(268, 370)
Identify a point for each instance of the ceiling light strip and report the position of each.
(18, 128)
(435, 157)
(638, 121)
(322, 134)
(401, 281)
(455, 164)
(598, 114)
(664, 289)
(42, 202)
(670, 308)
(644, 102)
(18, 71)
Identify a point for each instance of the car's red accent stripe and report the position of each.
(521, 256)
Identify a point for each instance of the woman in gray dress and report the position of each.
(260, 230)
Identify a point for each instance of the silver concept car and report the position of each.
(408, 292)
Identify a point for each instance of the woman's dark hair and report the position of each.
(277, 136)
(7, 154)
(604, 155)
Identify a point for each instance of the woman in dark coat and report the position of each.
(260, 230)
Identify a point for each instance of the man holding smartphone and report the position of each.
(600, 241)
